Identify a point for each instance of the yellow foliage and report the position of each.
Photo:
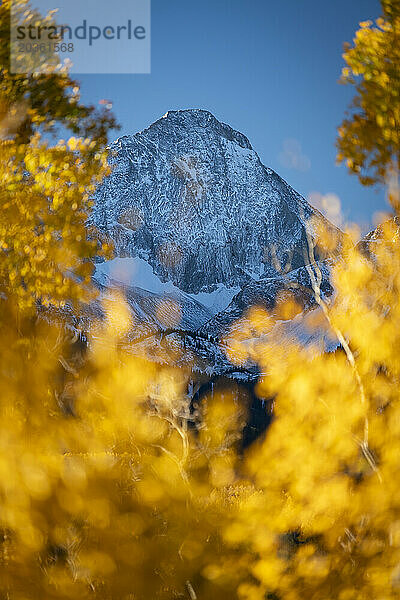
(369, 140)
(107, 488)
(107, 492)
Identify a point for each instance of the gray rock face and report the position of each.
(221, 233)
(191, 197)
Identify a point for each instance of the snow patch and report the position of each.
(217, 300)
(136, 272)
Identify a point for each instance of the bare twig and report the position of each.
(315, 274)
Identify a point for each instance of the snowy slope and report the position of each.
(136, 272)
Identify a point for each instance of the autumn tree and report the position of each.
(110, 488)
(46, 183)
(369, 137)
(326, 522)
(103, 490)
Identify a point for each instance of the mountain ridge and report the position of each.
(190, 195)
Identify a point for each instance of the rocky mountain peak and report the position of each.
(190, 196)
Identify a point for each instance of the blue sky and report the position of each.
(269, 68)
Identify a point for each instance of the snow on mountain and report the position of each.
(191, 197)
(370, 241)
(136, 272)
(202, 231)
(264, 293)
